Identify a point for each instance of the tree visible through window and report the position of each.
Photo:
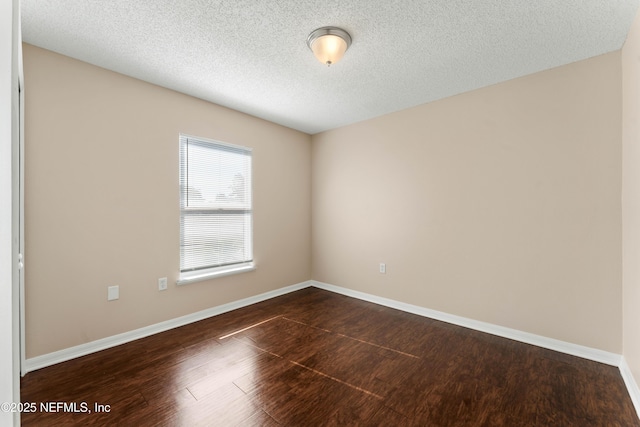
(215, 207)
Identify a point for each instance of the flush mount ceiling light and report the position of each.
(329, 44)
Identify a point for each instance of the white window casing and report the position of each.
(216, 217)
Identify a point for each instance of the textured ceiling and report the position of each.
(252, 55)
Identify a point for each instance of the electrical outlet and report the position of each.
(113, 293)
(383, 268)
(162, 284)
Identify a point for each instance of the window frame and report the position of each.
(205, 273)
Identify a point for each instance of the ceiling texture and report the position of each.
(251, 55)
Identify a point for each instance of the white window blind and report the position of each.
(215, 206)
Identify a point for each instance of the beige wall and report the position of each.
(102, 202)
(500, 205)
(631, 198)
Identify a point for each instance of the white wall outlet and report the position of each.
(383, 268)
(113, 293)
(162, 284)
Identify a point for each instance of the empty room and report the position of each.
(301, 213)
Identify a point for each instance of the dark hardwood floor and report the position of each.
(318, 358)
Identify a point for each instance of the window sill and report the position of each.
(192, 278)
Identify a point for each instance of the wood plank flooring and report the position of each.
(315, 358)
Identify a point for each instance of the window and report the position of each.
(215, 209)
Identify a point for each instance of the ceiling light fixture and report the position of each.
(329, 44)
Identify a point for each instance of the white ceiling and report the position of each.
(251, 55)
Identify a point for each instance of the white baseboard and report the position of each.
(513, 334)
(49, 359)
(632, 386)
(589, 353)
